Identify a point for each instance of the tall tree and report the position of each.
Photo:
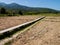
(2, 11)
(20, 12)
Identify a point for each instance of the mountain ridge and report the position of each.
(17, 7)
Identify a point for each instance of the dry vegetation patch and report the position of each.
(7, 22)
(46, 32)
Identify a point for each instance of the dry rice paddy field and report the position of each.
(7, 22)
(45, 32)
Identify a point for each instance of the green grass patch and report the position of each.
(41, 14)
(49, 14)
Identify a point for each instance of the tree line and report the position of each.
(20, 12)
(4, 11)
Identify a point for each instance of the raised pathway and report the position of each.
(45, 32)
(7, 31)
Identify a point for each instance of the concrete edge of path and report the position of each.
(9, 39)
(13, 28)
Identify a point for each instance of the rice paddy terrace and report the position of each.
(43, 32)
(7, 22)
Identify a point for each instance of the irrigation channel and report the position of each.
(7, 34)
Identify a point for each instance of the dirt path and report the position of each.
(45, 32)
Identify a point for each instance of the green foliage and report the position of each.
(20, 12)
(30, 11)
(2, 11)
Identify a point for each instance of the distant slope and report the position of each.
(17, 7)
(13, 6)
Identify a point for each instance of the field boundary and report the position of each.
(10, 31)
(17, 34)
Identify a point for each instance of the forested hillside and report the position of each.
(13, 8)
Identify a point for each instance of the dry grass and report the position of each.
(7, 22)
(46, 32)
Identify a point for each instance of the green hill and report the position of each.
(15, 8)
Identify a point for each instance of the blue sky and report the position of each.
(54, 4)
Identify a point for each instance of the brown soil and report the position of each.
(7, 22)
(45, 32)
